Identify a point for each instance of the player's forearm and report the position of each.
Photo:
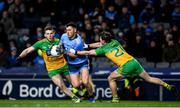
(90, 52)
(25, 52)
(95, 45)
(82, 52)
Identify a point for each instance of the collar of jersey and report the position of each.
(74, 37)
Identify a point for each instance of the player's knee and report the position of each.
(62, 87)
(110, 78)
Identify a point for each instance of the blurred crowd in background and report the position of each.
(146, 28)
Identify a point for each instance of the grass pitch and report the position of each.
(85, 103)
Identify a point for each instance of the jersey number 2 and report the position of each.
(118, 52)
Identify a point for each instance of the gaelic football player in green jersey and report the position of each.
(56, 65)
(127, 65)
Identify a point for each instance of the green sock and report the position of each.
(84, 91)
(74, 90)
(115, 96)
(73, 96)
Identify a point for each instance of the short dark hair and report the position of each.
(49, 27)
(72, 24)
(106, 36)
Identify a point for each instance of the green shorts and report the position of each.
(63, 71)
(131, 68)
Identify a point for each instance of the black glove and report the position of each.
(60, 49)
(48, 52)
(18, 59)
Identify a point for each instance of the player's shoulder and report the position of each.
(39, 43)
(110, 45)
(42, 40)
(56, 39)
(79, 36)
(114, 43)
(64, 35)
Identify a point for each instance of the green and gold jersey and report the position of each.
(115, 52)
(51, 62)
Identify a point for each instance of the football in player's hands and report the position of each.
(56, 50)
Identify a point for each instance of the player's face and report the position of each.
(49, 34)
(71, 32)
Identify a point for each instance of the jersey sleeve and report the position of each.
(62, 41)
(36, 45)
(100, 51)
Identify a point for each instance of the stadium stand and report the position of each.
(151, 34)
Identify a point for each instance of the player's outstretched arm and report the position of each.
(90, 52)
(25, 52)
(94, 45)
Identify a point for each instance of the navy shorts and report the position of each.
(77, 68)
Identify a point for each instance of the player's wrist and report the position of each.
(73, 51)
(76, 52)
(18, 58)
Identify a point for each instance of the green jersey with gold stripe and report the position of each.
(115, 52)
(52, 62)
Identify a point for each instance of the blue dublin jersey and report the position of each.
(77, 43)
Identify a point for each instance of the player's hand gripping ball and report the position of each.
(57, 50)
